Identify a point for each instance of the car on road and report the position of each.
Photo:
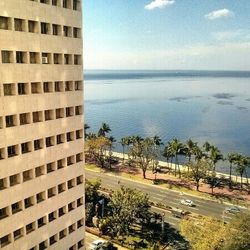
(232, 210)
(97, 244)
(187, 203)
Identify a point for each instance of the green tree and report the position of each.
(204, 234)
(238, 233)
(189, 150)
(96, 148)
(104, 129)
(128, 206)
(232, 158)
(199, 171)
(91, 190)
(241, 167)
(86, 127)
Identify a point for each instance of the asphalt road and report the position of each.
(165, 196)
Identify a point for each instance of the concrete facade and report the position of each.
(41, 125)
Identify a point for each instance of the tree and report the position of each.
(104, 129)
(215, 156)
(123, 143)
(96, 148)
(241, 166)
(189, 150)
(86, 127)
(157, 144)
(238, 233)
(112, 140)
(207, 147)
(232, 158)
(128, 206)
(143, 153)
(177, 148)
(91, 190)
(199, 171)
(204, 234)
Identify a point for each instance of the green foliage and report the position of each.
(210, 234)
(91, 190)
(128, 206)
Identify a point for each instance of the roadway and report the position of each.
(164, 196)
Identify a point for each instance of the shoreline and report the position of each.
(183, 168)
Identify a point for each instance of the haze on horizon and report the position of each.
(167, 34)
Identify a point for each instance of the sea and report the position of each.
(211, 106)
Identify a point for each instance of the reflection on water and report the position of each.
(214, 109)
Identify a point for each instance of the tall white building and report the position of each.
(41, 125)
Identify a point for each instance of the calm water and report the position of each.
(204, 106)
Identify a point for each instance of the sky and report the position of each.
(167, 34)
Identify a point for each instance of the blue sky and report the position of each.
(167, 34)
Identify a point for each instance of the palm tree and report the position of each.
(104, 129)
(177, 148)
(168, 154)
(207, 147)
(123, 143)
(86, 126)
(189, 150)
(197, 152)
(215, 156)
(157, 143)
(242, 163)
(232, 158)
(112, 140)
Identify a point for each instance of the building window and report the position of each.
(57, 58)
(68, 86)
(26, 147)
(43, 245)
(72, 228)
(7, 56)
(58, 86)
(22, 88)
(28, 202)
(79, 202)
(49, 115)
(61, 211)
(12, 150)
(3, 183)
(18, 234)
(80, 223)
(70, 160)
(47, 87)
(70, 136)
(67, 59)
(71, 206)
(51, 167)
(44, 1)
(71, 183)
(79, 180)
(45, 58)
(65, 4)
(69, 111)
(38, 144)
(24, 118)
(59, 113)
(41, 222)
(62, 234)
(52, 240)
(37, 116)
(55, 2)
(14, 179)
(34, 57)
(60, 139)
(56, 30)
(40, 197)
(16, 207)
(60, 163)
(5, 240)
(76, 4)
(80, 244)
(5, 23)
(21, 57)
(30, 227)
(8, 89)
(39, 171)
(67, 31)
(44, 28)
(52, 216)
(27, 175)
(33, 26)
(51, 192)
(10, 121)
(79, 134)
(78, 110)
(76, 32)
(4, 213)
(19, 24)
(36, 88)
(78, 85)
(49, 141)
(77, 59)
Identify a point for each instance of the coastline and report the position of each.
(184, 168)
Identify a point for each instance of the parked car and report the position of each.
(232, 210)
(97, 244)
(187, 203)
(178, 213)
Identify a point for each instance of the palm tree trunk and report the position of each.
(230, 176)
(175, 170)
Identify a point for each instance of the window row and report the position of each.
(42, 196)
(68, 4)
(38, 144)
(22, 25)
(23, 57)
(39, 116)
(30, 174)
(25, 88)
(29, 228)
